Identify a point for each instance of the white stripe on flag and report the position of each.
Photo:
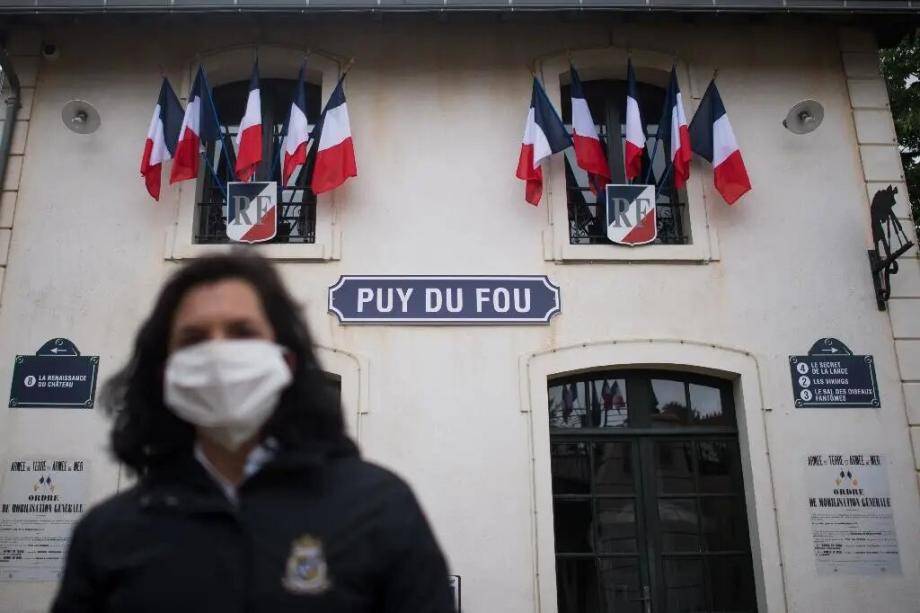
(723, 140)
(298, 130)
(533, 135)
(253, 114)
(159, 152)
(634, 132)
(582, 124)
(191, 119)
(336, 128)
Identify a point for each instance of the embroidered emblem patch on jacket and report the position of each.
(306, 571)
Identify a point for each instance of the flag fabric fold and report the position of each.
(544, 135)
(200, 126)
(674, 132)
(162, 137)
(713, 138)
(249, 136)
(589, 152)
(335, 152)
(295, 132)
(635, 129)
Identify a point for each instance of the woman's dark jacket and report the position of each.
(320, 531)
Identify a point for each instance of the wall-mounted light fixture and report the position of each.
(81, 117)
(804, 117)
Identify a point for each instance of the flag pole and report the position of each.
(231, 171)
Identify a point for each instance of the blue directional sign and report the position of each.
(56, 377)
(444, 300)
(830, 376)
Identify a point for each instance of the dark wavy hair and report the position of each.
(146, 433)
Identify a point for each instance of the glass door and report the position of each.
(648, 501)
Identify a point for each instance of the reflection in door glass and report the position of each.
(679, 524)
(590, 403)
(674, 467)
(613, 468)
(620, 584)
(669, 403)
(706, 405)
(616, 525)
(684, 582)
(571, 468)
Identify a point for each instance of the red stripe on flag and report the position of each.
(633, 161)
(533, 176)
(150, 173)
(590, 155)
(292, 161)
(731, 177)
(333, 166)
(250, 154)
(682, 158)
(185, 162)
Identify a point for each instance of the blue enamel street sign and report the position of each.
(56, 377)
(444, 300)
(830, 376)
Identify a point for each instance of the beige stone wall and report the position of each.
(437, 109)
(23, 48)
(881, 166)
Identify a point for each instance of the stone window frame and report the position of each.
(651, 67)
(229, 64)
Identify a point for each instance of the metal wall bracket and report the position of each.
(886, 233)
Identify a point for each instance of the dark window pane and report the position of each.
(731, 582)
(566, 405)
(571, 468)
(718, 465)
(613, 468)
(669, 403)
(612, 395)
(577, 589)
(674, 467)
(620, 586)
(572, 520)
(683, 579)
(679, 524)
(724, 524)
(616, 525)
(706, 406)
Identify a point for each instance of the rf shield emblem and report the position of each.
(631, 218)
(252, 211)
(306, 571)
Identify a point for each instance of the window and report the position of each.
(587, 214)
(297, 203)
(648, 499)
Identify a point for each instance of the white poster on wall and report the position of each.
(40, 500)
(852, 522)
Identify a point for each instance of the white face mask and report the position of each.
(228, 389)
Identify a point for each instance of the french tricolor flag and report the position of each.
(199, 126)
(635, 129)
(296, 132)
(249, 136)
(588, 150)
(675, 133)
(335, 152)
(714, 139)
(544, 135)
(161, 137)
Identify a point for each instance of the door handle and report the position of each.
(646, 598)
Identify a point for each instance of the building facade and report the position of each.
(643, 449)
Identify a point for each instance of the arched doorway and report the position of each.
(648, 498)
